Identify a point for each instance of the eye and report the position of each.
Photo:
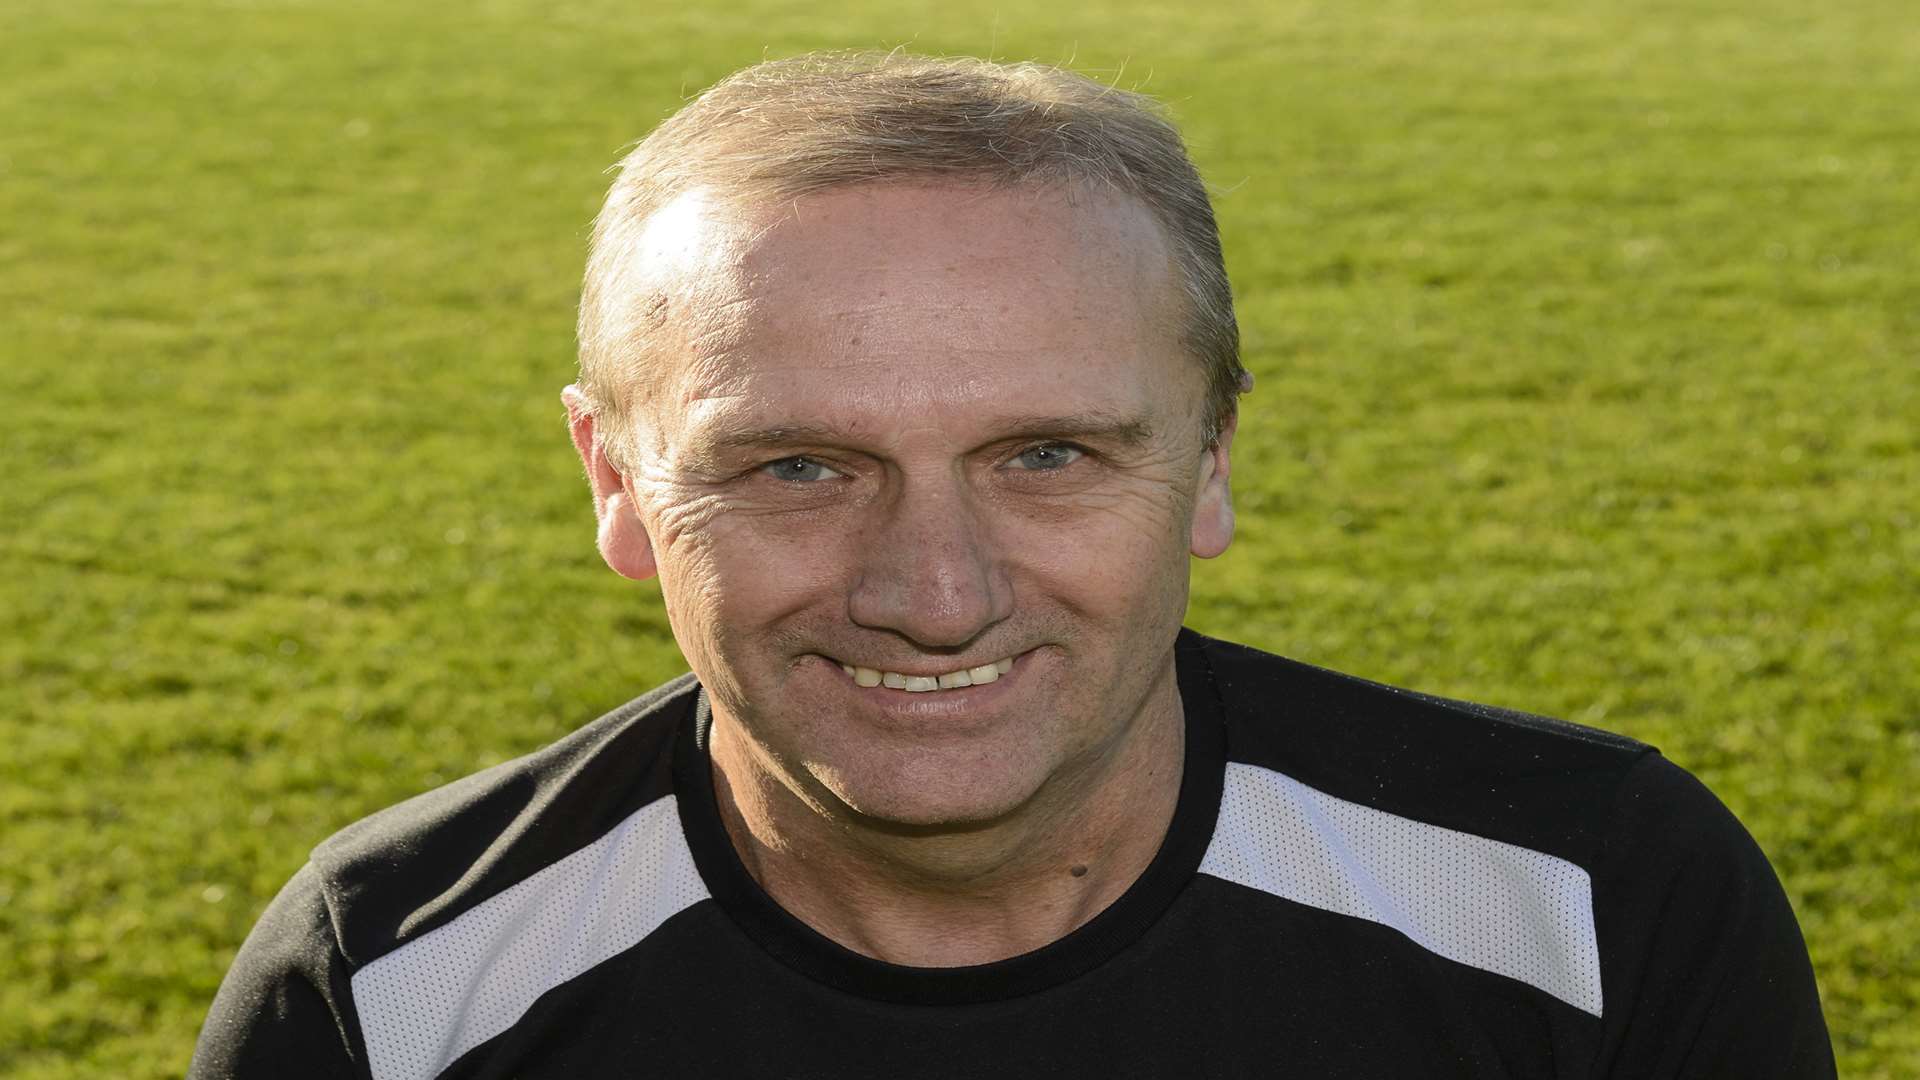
(1048, 456)
(798, 470)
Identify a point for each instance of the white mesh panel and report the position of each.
(453, 988)
(1491, 905)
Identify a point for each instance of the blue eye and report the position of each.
(1048, 456)
(798, 470)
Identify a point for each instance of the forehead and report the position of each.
(873, 305)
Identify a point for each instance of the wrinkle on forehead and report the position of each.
(735, 286)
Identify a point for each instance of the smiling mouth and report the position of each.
(920, 684)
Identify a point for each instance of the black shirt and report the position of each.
(1357, 881)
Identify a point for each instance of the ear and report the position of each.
(1213, 505)
(623, 539)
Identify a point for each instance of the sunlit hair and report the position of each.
(787, 128)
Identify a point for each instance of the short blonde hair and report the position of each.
(787, 128)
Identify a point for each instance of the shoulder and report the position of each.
(285, 999)
(1580, 863)
(1500, 773)
(1704, 958)
(403, 871)
(1681, 858)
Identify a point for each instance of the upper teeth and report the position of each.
(985, 673)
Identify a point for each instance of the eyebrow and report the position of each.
(1124, 429)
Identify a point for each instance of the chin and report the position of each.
(915, 800)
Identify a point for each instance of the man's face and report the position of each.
(917, 431)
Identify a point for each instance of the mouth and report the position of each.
(957, 679)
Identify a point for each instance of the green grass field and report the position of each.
(1588, 340)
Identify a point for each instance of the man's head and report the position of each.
(903, 426)
(776, 132)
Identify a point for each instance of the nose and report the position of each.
(930, 570)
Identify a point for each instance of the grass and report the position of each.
(1588, 339)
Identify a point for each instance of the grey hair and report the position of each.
(787, 128)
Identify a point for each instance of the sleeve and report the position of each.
(285, 1008)
(1703, 969)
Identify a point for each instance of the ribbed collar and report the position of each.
(808, 951)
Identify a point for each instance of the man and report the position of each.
(913, 382)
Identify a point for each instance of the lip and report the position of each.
(950, 707)
(912, 674)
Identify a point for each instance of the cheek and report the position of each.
(1113, 557)
(741, 577)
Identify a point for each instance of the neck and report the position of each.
(951, 897)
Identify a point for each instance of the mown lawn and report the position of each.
(1588, 339)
